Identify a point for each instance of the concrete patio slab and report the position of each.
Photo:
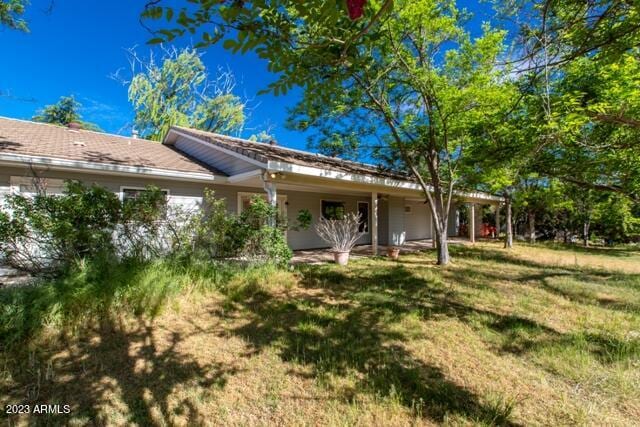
(322, 256)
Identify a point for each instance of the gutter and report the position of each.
(106, 168)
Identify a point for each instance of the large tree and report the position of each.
(11, 12)
(178, 90)
(411, 72)
(64, 112)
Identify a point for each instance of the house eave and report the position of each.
(368, 180)
(106, 168)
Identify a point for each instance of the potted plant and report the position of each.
(341, 234)
(393, 251)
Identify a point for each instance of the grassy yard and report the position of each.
(537, 335)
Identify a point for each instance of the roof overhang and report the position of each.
(369, 180)
(106, 168)
(324, 176)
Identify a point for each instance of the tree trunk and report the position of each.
(585, 233)
(442, 244)
(508, 241)
(443, 250)
(531, 220)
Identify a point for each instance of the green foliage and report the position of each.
(615, 221)
(262, 136)
(408, 75)
(63, 112)
(564, 30)
(304, 219)
(48, 233)
(256, 235)
(11, 12)
(178, 92)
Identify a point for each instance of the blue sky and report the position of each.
(75, 47)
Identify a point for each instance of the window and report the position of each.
(132, 193)
(33, 186)
(332, 209)
(363, 211)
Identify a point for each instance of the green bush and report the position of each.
(47, 233)
(256, 235)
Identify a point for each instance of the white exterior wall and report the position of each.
(189, 196)
(184, 194)
(451, 225)
(397, 232)
(298, 200)
(418, 221)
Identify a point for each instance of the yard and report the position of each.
(537, 335)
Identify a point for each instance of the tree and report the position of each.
(557, 32)
(65, 111)
(411, 71)
(11, 12)
(177, 90)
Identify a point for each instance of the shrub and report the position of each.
(256, 235)
(47, 233)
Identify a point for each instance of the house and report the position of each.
(188, 161)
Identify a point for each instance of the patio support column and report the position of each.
(433, 236)
(272, 194)
(374, 223)
(498, 221)
(472, 222)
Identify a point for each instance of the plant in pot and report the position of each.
(393, 251)
(342, 234)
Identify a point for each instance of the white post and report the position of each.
(472, 222)
(272, 194)
(374, 223)
(433, 236)
(498, 221)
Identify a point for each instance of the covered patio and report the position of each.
(323, 256)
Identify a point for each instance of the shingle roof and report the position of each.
(39, 139)
(264, 152)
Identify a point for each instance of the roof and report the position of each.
(265, 152)
(40, 139)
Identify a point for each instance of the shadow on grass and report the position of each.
(353, 339)
(98, 362)
(113, 363)
(585, 290)
(621, 252)
(520, 335)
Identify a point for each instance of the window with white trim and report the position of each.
(36, 185)
(332, 209)
(132, 193)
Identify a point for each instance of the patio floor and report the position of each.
(321, 256)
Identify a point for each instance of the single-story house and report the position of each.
(188, 161)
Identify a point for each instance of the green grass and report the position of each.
(537, 335)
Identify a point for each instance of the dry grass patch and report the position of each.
(497, 338)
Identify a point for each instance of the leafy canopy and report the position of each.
(64, 112)
(178, 91)
(11, 12)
